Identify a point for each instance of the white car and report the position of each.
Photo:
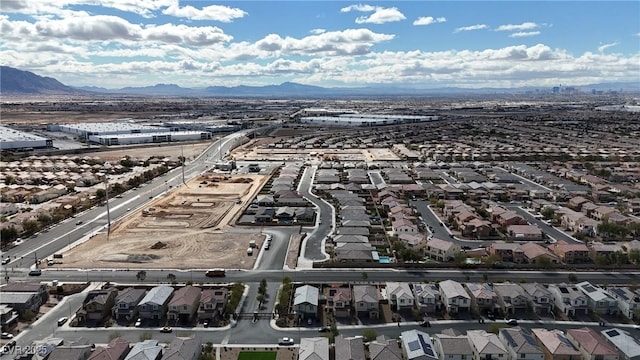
(6, 335)
(62, 320)
(285, 341)
(138, 323)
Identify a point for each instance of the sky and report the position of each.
(331, 43)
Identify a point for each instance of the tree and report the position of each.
(101, 193)
(30, 226)
(547, 213)
(369, 335)
(460, 258)
(8, 234)
(573, 278)
(544, 262)
(634, 256)
(172, 278)
(141, 275)
(365, 276)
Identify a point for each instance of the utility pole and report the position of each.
(106, 191)
(182, 151)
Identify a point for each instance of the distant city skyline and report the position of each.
(429, 44)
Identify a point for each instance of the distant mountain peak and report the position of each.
(17, 81)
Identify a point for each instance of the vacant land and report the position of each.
(190, 151)
(187, 229)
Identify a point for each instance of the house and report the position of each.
(116, 349)
(555, 345)
(454, 297)
(366, 300)
(403, 226)
(508, 252)
(540, 297)
(384, 348)
(628, 301)
(627, 344)
(399, 295)
(427, 297)
(73, 351)
(452, 347)
(8, 317)
(126, 304)
(486, 346)
(145, 350)
(571, 253)
(154, 304)
(28, 286)
(520, 344)
(417, 345)
(534, 253)
(598, 249)
(524, 232)
(598, 299)
(305, 301)
(314, 348)
(441, 250)
(568, 299)
(338, 300)
(592, 345)
(483, 296)
(181, 348)
(512, 298)
(21, 301)
(184, 304)
(575, 203)
(351, 348)
(212, 303)
(97, 305)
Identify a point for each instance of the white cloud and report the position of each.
(520, 34)
(604, 47)
(317, 31)
(428, 20)
(380, 14)
(517, 27)
(471, 28)
(145, 8)
(213, 12)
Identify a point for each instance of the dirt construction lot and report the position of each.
(187, 229)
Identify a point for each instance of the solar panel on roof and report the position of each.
(612, 333)
(508, 337)
(530, 339)
(414, 345)
(589, 288)
(426, 347)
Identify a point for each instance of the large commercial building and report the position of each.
(144, 138)
(365, 120)
(11, 139)
(86, 130)
(210, 126)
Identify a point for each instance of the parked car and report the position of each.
(62, 320)
(6, 335)
(324, 329)
(512, 322)
(79, 222)
(166, 329)
(206, 323)
(138, 323)
(286, 341)
(6, 260)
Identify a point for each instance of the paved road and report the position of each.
(314, 242)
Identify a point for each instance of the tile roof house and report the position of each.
(351, 348)
(314, 348)
(571, 253)
(555, 345)
(145, 350)
(305, 301)
(509, 252)
(627, 344)
(452, 347)
(483, 296)
(366, 298)
(598, 299)
(97, 305)
(569, 299)
(520, 344)
(399, 295)
(592, 345)
(427, 297)
(534, 252)
(126, 304)
(184, 304)
(541, 298)
(116, 349)
(512, 298)
(628, 300)
(154, 304)
(454, 296)
(212, 303)
(417, 345)
(183, 349)
(524, 232)
(338, 300)
(486, 346)
(441, 250)
(384, 348)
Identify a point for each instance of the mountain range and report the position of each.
(15, 81)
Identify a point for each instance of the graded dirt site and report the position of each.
(189, 228)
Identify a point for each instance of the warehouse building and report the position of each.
(11, 139)
(145, 138)
(86, 130)
(365, 120)
(212, 127)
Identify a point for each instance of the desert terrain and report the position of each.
(186, 229)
